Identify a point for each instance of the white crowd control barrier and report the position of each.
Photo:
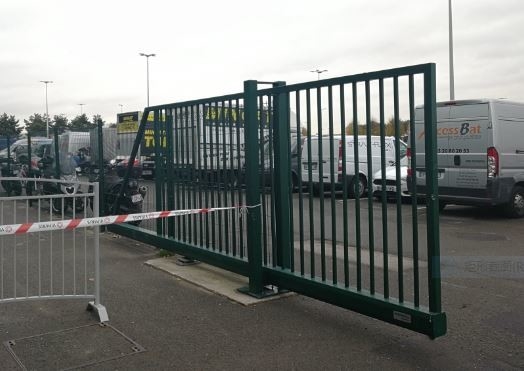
(45, 263)
(50, 242)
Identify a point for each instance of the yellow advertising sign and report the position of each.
(127, 127)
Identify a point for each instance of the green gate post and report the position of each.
(282, 181)
(8, 187)
(430, 128)
(101, 169)
(29, 152)
(57, 153)
(170, 165)
(254, 241)
(159, 171)
(29, 174)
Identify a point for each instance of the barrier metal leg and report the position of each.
(95, 305)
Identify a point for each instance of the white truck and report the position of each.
(480, 153)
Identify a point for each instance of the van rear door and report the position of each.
(443, 161)
(469, 130)
(319, 160)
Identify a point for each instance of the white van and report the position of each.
(480, 153)
(332, 162)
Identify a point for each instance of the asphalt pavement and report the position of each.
(161, 322)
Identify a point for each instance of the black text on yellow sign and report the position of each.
(148, 141)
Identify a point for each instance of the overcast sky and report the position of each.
(91, 49)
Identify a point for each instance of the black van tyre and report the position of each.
(316, 190)
(79, 204)
(56, 205)
(515, 207)
(441, 205)
(359, 184)
(294, 182)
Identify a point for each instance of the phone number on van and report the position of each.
(452, 150)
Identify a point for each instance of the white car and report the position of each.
(391, 180)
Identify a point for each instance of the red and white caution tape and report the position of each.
(69, 224)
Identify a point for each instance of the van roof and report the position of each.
(34, 140)
(464, 102)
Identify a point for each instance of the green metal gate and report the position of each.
(312, 226)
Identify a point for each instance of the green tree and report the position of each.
(81, 123)
(9, 126)
(36, 125)
(97, 119)
(303, 131)
(403, 126)
(61, 122)
(362, 129)
(389, 127)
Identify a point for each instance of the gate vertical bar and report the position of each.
(159, 170)
(169, 154)
(430, 128)
(252, 188)
(29, 155)
(282, 184)
(57, 153)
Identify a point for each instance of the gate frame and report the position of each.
(430, 321)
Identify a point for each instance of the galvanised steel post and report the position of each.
(430, 129)
(101, 172)
(254, 242)
(282, 182)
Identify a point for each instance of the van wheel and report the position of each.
(515, 207)
(358, 186)
(441, 205)
(294, 182)
(316, 190)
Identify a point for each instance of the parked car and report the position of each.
(149, 167)
(390, 173)
(120, 165)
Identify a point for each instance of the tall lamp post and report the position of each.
(121, 107)
(147, 64)
(451, 70)
(81, 105)
(46, 106)
(318, 72)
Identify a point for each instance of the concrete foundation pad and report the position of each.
(212, 279)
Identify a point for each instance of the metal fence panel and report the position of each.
(60, 264)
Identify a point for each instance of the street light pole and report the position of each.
(451, 69)
(318, 72)
(147, 65)
(46, 106)
(121, 107)
(81, 104)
